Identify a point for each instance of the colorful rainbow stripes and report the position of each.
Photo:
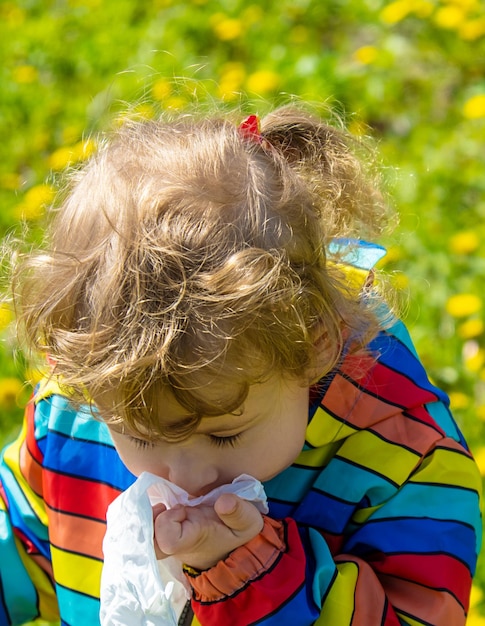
(381, 509)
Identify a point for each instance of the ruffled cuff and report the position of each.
(246, 563)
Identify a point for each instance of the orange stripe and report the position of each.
(77, 534)
(428, 605)
(350, 403)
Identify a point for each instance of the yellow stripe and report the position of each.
(324, 429)
(451, 468)
(77, 572)
(409, 620)
(387, 459)
(48, 608)
(12, 460)
(339, 604)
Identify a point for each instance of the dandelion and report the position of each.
(470, 329)
(464, 242)
(35, 201)
(459, 400)
(24, 74)
(450, 17)
(366, 55)
(395, 12)
(10, 389)
(6, 316)
(463, 304)
(161, 89)
(68, 155)
(263, 82)
(228, 29)
(474, 107)
(472, 29)
(422, 8)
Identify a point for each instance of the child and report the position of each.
(201, 296)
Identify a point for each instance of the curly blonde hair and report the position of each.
(186, 255)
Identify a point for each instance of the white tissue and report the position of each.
(136, 589)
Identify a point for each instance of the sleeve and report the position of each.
(387, 535)
(26, 585)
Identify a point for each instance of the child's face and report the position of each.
(261, 441)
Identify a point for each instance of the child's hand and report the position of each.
(203, 535)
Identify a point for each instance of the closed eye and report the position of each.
(220, 442)
(141, 444)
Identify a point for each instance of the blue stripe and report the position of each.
(86, 460)
(414, 536)
(397, 357)
(77, 608)
(19, 592)
(323, 512)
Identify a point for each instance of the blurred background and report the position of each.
(409, 73)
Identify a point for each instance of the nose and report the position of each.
(191, 471)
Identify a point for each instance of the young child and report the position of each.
(208, 309)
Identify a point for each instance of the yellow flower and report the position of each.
(366, 55)
(474, 618)
(395, 12)
(263, 82)
(459, 400)
(6, 316)
(60, 158)
(161, 89)
(35, 201)
(227, 29)
(232, 78)
(470, 329)
(476, 596)
(472, 29)
(144, 111)
(175, 102)
(25, 74)
(464, 242)
(463, 304)
(450, 17)
(68, 155)
(474, 107)
(10, 389)
(422, 8)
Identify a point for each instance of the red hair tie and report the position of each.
(249, 129)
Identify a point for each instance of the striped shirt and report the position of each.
(378, 518)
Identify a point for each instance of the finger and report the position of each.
(168, 530)
(157, 509)
(242, 517)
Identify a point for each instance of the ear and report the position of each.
(326, 351)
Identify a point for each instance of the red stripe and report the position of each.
(438, 571)
(77, 496)
(32, 445)
(262, 596)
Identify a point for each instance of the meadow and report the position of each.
(410, 74)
